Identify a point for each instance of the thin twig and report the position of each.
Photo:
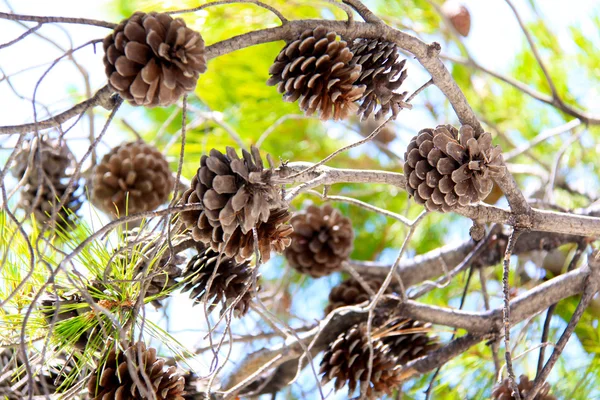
(60, 20)
(506, 311)
(534, 49)
(21, 37)
(589, 292)
(223, 2)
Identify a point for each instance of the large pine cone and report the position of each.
(237, 195)
(445, 169)
(230, 280)
(113, 381)
(406, 338)
(133, 177)
(351, 292)
(152, 59)
(321, 241)
(41, 194)
(347, 361)
(503, 391)
(318, 70)
(382, 73)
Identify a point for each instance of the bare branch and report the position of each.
(60, 20)
(102, 98)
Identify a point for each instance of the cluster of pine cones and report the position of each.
(152, 60)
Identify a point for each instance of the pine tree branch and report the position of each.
(60, 20)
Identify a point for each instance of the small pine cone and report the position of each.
(164, 269)
(503, 391)
(406, 338)
(152, 59)
(52, 155)
(230, 280)
(237, 195)
(351, 292)
(446, 169)
(347, 361)
(458, 15)
(113, 381)
(382, 73)
(42, 196)
(62, 307)
(321, 241)
(132, 177)
(318, 70)
(386, 134)
(44, 200)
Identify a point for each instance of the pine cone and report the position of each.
(386, 134)
(41, 194)
(237, 195)
(153, 260)
(347, 358)
(503, 391)
(114, 382)
(351, 292)
(444, 171)
(458, 15)
(230, 280)
(69, 306)
(44, 200)
(407, 339)
(321, 241)
(319, 71)
(152, 59)
(52, 155)
(133, 177)
(382, 73)
(273, 235)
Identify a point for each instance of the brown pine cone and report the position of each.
(230, 280)
(458, 15)
(386, 134)
(351, 292)
(446, 169)
(503, 391)
(382, 73)
(69, 305)
(44, 200)
(237, 195)
(113, 381)
(346, 360)
(318, 70)
(152, 59)
(41, 194)
(133, 177)
(407, 339)
(153, 259)
(52, 155)
(321, 241)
